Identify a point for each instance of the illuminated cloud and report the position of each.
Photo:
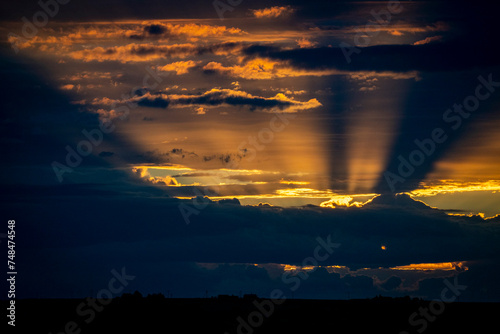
(306, 43)
(105, 114)
(450, 186)
(71, 36)
(223, 179)
(216, 96)
(264, 69)
(180, 67)
(200, 111)
(189, 30)
(346, 201)
(288, 91)
(428, 267)
(397, 29)
(22, 43)
(89, 75)
(134, 52)
(67, 87)
(300, 183)
(395, 33)
(272, 12)
(337, 201)
(68, 35)
(456, 266)
(303, 192)
(144, 174)
(368, 80)
(147, 52)
(428, 40)
(366, 76)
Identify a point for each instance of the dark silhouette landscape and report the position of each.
(133, 313)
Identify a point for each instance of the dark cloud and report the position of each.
(155, 102)
(214, 98)
(124, 229)
(412, 233)
(155, 29)
(160, 157)
(223, 158)
(446, 56)
(401, 201)
(135, 52)
(217, 97)
(233, 201)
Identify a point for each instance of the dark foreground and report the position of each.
(155, 314)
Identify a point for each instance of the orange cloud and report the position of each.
(213, 97)
(144, 174)
(147, 52)
(306, 43)
(399, 29)
(67, 87)
(371, 76)
(223, 95)
(428, 40)
(78, 35)
(201, 30)
(88, 75)
(273, 12)
(264, 69)
(450, 186)
(455, 266)
(60, 38)
(132, 52)
(395, 33)
(346, 201)
(180, 67)
(22, 43)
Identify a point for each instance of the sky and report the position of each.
(206, 146)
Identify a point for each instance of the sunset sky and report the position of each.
(205, 146)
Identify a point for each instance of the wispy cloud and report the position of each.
(273, 12)
(217, 96)
(428, 40)
(146, 52)
(179, 67)
(264, 69)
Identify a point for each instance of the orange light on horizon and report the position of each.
(433, 266)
